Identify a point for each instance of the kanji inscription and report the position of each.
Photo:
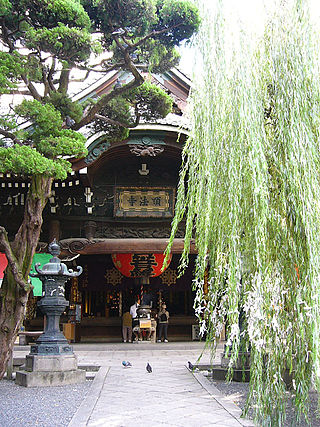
(155, 202)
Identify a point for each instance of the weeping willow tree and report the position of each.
(249, 192)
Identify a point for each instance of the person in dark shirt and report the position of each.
(163, 319)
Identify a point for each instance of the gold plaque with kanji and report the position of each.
(144, 202)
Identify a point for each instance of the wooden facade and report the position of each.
(119, 199)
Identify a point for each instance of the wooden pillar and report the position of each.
(86, 303)
(185, 296)
(90, 296)
(120, 303)
(54, 230)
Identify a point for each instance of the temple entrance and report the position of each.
(104, 294)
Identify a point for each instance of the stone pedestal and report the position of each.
(46, 371)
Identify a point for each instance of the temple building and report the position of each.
(113, 216)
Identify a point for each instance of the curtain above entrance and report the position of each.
(36, 283)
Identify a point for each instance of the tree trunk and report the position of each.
(13, 297)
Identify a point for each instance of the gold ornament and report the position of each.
(113, 276)
(169, 277)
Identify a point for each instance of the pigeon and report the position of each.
(126, 364)
(191, 366)
(148, 368)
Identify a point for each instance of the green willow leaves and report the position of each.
(249, 193)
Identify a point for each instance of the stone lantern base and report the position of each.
(53, 370)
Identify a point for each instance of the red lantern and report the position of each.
(140, 265)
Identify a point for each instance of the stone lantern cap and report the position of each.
(55, 267)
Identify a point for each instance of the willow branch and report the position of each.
(12, 260)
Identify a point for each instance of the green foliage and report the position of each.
(65, 105)
(159, 58)
(118, 109)
(57, 36)
(45, 118)
(181, 17)
(25, 160)
(148, 101)
(5, 7)
(46, 140)
(137, 15)
(31, 68)
(152, 102)
(10, 69)
(249, 191)
(48, 13)
(66, 141)
(176, 20)
(70, 44)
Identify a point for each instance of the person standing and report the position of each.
(133, 308)
(135, 319)
(127, 326)
(163, 319)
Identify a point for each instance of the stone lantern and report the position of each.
(51, 361)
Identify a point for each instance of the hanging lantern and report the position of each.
(140, 265)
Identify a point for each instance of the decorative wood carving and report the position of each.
(96, 151)
(113, 276)
(142, 150)
(169, 277)
(112, 246)
(136, 232)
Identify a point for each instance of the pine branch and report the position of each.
(33, 91)
(96, 108)
(152, 34)
(51, 73)
(18, 92)
(64, 79)
(6, 37)
(10, 135)
(117, 123)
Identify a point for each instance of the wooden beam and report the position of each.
(112, 246)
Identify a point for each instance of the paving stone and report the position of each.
(170, 396)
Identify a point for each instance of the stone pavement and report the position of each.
(169, 396)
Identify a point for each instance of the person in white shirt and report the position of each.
(133, 308)
(135, 320)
